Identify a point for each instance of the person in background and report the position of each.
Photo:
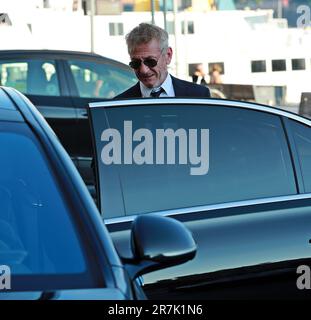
(215, 77)
(199, 75)
(150, 55)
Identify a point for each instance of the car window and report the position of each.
(302, 138)
(99, 80)
(248, 158)
(37, 77)
(38, 239)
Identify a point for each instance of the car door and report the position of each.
(246, 213)
(44, 250)
(93, 79)
(41, 78)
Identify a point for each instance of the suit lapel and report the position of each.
(136, 93)
(179, 89)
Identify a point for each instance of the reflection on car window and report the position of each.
(37, 236)
(99, 80)
(302, 137)
(31, 76)
(248, 159)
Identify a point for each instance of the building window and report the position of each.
(258, 66)
(116, 29)
(298, 64)
(187, 27)
(170, 27)
(279, 65)
(216, 66)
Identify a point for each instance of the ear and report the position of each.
(169, 55)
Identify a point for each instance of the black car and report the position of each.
(53, 243)
(248, 204)
(61, 84)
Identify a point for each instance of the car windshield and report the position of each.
(38, 238)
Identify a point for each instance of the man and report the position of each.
(150, 55)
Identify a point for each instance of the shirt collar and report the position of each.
(167, 85)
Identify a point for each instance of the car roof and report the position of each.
(5, 101)
(9, 54)
(8, 109)
(48, 51)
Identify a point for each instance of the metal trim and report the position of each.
(207, 102)
(235, 204)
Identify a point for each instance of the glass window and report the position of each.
(248, 158)
(279, 65)
(298, 64)
(116, 29)
(305, 104)
(100, 80)
(37, 77)
(187, 27)
(38, 239)
(258, 66)
(170, 27)
(302, 138)
(218, 65)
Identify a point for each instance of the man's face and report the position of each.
(151, 77)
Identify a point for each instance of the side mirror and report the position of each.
(158, 242)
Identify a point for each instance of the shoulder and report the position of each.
(132, 92)
(186, 88)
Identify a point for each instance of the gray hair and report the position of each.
(144, 33)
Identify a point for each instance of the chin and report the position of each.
(149, 84)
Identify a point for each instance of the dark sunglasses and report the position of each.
(149, 62)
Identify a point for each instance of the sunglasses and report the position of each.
(149, 62)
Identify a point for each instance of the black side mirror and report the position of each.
(158, 242)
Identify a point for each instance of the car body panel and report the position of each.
(95, 294)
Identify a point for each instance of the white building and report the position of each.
(251, 46)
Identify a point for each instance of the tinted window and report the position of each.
(278, 65)
(36, 77)
(248, 159)
(100, 80)
(298, 64)
(187, 27)
(37, 235)
(302, 137)
(305, 104)
(258, 66)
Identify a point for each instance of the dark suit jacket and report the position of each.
(182, 89)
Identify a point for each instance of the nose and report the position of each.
(143, 68)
